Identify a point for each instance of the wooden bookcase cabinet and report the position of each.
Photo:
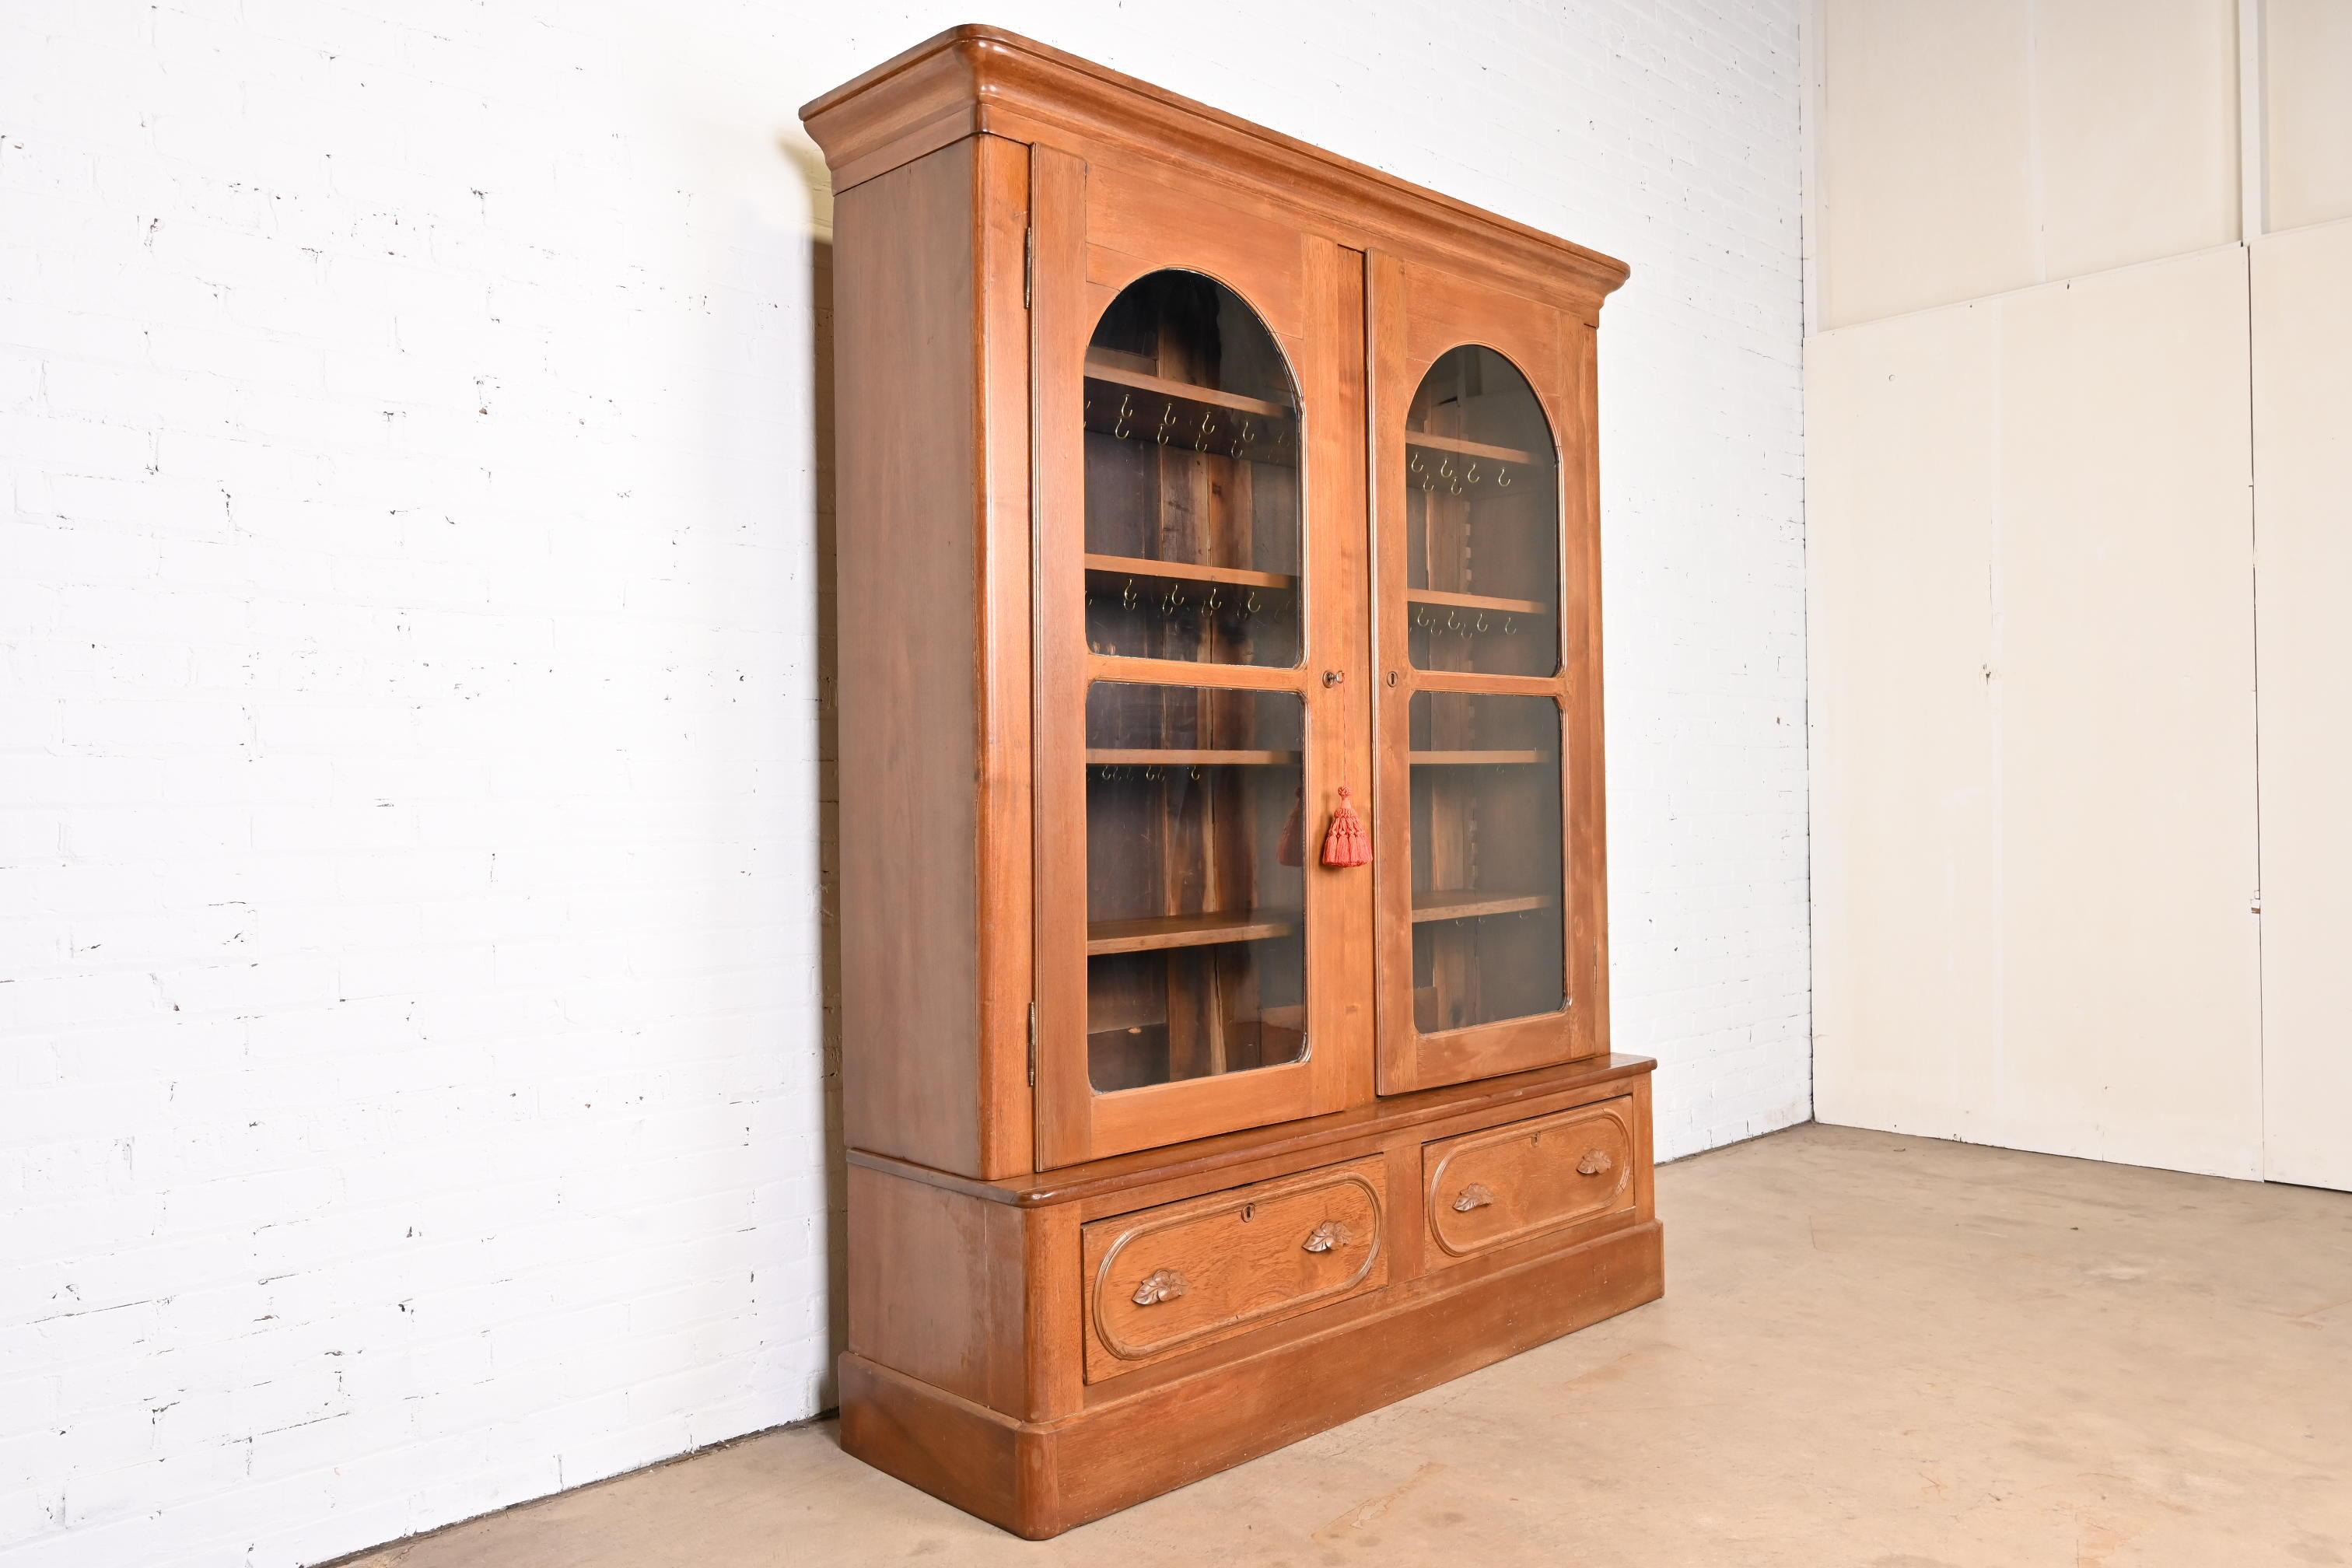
(1189, 475)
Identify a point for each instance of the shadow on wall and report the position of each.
(836, 1168)
(808, 164)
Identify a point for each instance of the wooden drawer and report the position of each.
(1171, 1279)
(1491, 1188)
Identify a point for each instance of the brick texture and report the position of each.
(416, 1060)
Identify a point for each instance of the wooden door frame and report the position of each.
(1089, 244)
(1415, 313)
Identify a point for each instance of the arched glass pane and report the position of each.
(1193, 481)
(1482, 521)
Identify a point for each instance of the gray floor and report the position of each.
(1874, 1350)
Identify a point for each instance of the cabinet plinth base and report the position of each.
(1040, 1479)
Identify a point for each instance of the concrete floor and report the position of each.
(1874, 1351)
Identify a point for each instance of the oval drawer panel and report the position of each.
(1490, 1188)
(1173, 1278)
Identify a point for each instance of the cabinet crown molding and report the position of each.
(975, 79)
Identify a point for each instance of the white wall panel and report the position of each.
(2124, 653)
(2135, 129)
(2307, 51)
(1971, 147)
(2302, 468)
(2032, 923)
(1925, 149)
(1900, 516)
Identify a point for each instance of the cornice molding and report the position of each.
(973, 80)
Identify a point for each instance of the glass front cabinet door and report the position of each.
(1202, 659)
(1313, 538)
(1489, 789)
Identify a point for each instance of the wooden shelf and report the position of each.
(1472, 602)
(1470, 448)
(1185, 572)
(1155, 933)
(1100, 369)
(1178, 757)
(1467, 759)
(1463, 906)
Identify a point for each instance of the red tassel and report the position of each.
(1292, 851)
(1346, 844)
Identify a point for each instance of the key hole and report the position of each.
(1249, 1213)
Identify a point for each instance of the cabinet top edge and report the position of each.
(977, 79)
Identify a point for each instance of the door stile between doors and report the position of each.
(1075, 278)
(1415, 317)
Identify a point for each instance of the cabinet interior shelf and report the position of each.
(1466, 905)
(1176, 756)
(1186, 571)
(1473, 602)
(1159, 387)
(1468, 448)
(1155, 933)
(1469, 759)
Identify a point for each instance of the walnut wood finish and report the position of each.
(1068, 1295)
(934, 663)
(1251, 1256)
(1040, 1479)
(1419, 311)
(1489, 1189)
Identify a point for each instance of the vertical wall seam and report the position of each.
(2254, 630)
(2036, 196)
(1996, 679)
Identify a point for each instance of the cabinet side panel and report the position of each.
(906, 353)
(936, 1286)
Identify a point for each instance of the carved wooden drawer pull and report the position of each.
(1160, 1285)
(1476, 1195)
(1331, 1232)
(1595, 1161)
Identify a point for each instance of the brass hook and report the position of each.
(1208, 423)
(1126, 412)
(1167, 422)
(1502, 478)
(1126, 597)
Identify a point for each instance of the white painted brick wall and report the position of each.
(414, 1062)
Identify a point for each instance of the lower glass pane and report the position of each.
(1486, 870)
(1196, 953)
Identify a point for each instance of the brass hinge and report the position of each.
(1028, 264)
(1032, 1045)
